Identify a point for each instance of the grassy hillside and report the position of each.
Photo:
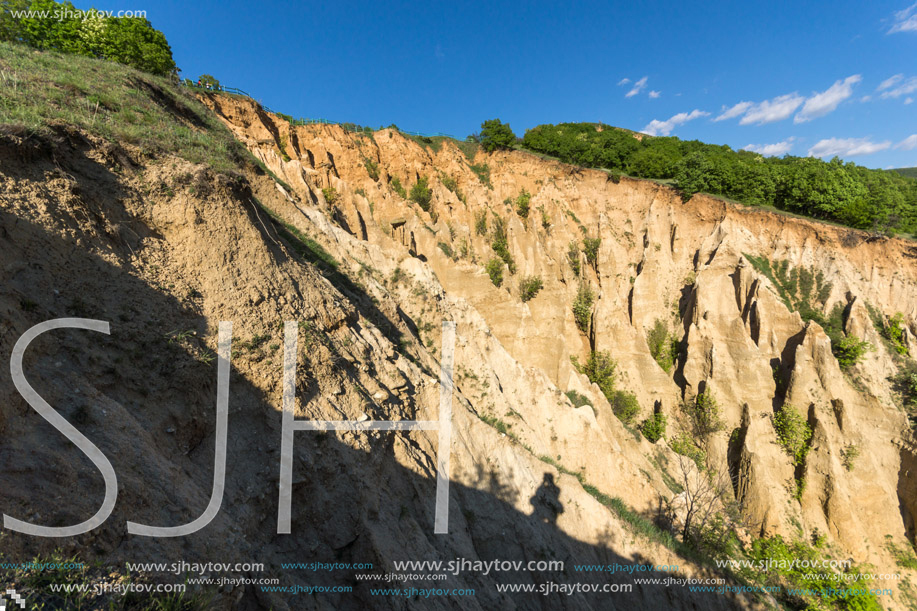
(113, 101)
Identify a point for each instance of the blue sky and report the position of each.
(823, 78)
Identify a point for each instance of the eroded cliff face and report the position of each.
(688, 265)
(164, 250)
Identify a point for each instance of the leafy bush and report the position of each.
(705, 415)
(522, 204)
(396, 185)
(494, 269)
(625, 405)
(844, 192)
(601, 369)
(582, 307)
(545, 218)
(850, 351)
(529, 287)
(577, 399)
(793, 433)
(496, 135)
(500, 243)
(372, 168)
(480, 222)
(573, 257)
(653, 428)
(850, 453)
(894, 331)
(126, 40)
(591, 250)
(482, 171)
(421, 194)
(330, 194)
(796, 586)
(684, 444)
(663, 345)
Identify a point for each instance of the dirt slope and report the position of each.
(685, 264)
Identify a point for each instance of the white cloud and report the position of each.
(664, 128)
(892, 80)
(770, 111)
(866, 98)
(908, 144)
(899, 87)
(905, 20)
(735, 111)
(655, 94)
(822, 103)
(847, 147)
(771, 150)
(623, 81)
(908, 101)
(638, 87)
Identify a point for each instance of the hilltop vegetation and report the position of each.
(115, 102)
(842, 192)
(912, 172)
(61, 27)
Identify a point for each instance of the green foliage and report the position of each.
(330, 194)
(522, 204)
(850, 351)
(207, 79)
(545, 218)
(704, 415)
(447, 250)
(372, 168)
(421, 194)
(115, 103)
(496, 135)
(601, 369)
(625, 406)
(494, 269)
(577, 399)
(591, 250)
(573, 257)
(451, 184)
(482, 171)
(904, 556)
(893, 331)
(663, 345)
(480, 222)
(529, 287)
(793, 433)
(797, 586)
(399, 189)
(653, 428)
(582, 307)
(684, 444)
(879, 200)
(500, 243)
(127, 40)
(849, 454)
(806, 292)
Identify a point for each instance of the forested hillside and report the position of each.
(842, 192)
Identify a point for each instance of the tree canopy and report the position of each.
(834, 190)
(496, 135)
(61, 27)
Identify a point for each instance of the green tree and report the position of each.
(133, 41)
(421, 194)
(496, 135)
(206, 79)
